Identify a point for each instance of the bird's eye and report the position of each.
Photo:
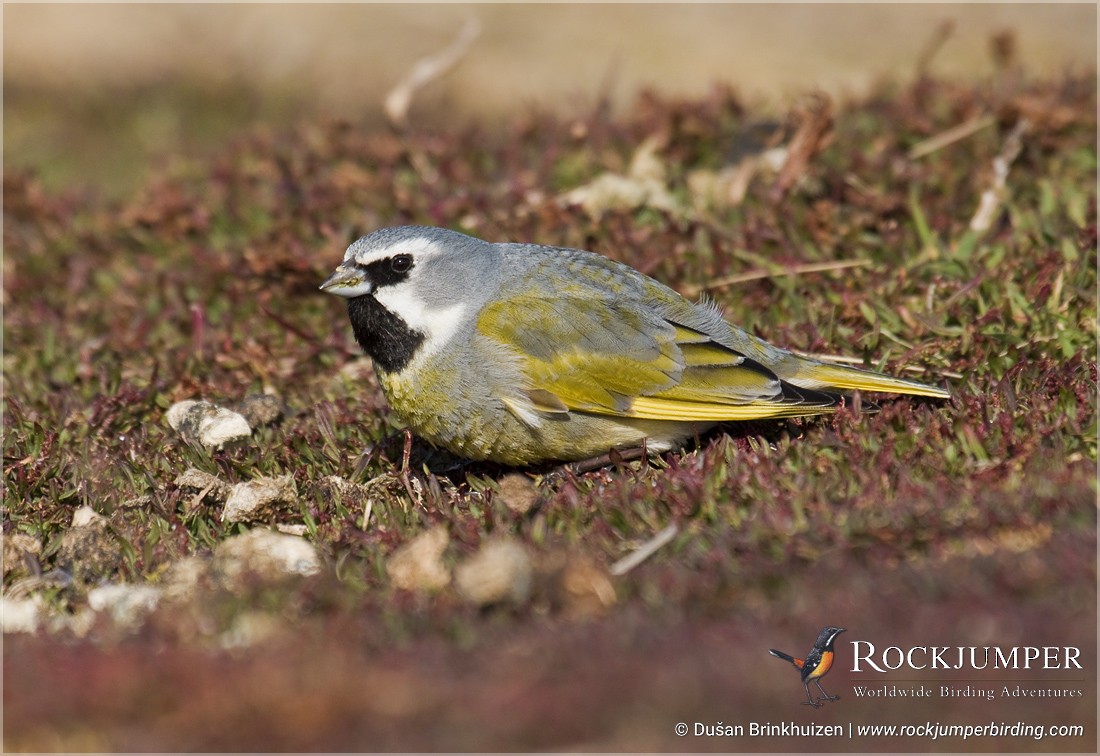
(401, 264)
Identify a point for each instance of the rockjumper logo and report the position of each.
(963, 657)
(815, 665)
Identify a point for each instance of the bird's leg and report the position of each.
(825, 696)
(809, 698)
(406, 451)
(613, 457)
(378, 451)
(562, 471)
(406, 454)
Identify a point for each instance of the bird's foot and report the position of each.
(613, 457)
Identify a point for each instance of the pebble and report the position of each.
(85, 516)
(88, 551)
(22, 615)
(500, 572)
(21, 553)
(127, 605)
(182, 579)
(255, 499)
(207, 424)
(263, 555)
(517, 492)
(580, 586)
(418, 565)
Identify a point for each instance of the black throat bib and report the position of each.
(384, 336)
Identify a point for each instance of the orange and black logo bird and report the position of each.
(816, 664)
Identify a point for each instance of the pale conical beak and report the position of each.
(348, 281)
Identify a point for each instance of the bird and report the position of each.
(816, 665)
(523, 354)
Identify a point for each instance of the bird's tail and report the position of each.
(783, 656)
(811, 374)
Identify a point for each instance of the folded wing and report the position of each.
(613, 355)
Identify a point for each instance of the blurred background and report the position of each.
(93, 93)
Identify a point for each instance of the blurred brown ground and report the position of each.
(348, 55)
(340, 60)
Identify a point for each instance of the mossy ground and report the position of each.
(963, 522)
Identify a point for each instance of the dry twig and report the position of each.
(992, 197)
(645, 551)
(426, 70)
(756, 275)
(950, 136)
(815, 118)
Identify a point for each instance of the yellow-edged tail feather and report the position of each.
(825, 377)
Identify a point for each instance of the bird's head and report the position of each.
(411, 288)
(828, 635)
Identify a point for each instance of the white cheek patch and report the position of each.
(439, 325)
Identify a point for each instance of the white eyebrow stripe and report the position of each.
(420, 246)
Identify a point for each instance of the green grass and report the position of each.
(203, 284)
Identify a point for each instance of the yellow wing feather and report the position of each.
(605, 340)
(660, 408)
(646, 368)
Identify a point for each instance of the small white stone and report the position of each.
(128, 605)
(20, 615)
(208, 424)
(223, 427)
(179, 411)
(85, 516)
(182, 580)
(254, 499)
(500, 571)
(265, 554)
